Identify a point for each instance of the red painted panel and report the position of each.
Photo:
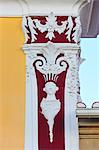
(43, 130)
(59, 38)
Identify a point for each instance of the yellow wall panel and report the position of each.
(12, 84)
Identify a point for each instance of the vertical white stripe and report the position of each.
(67, 117)
(31, 115)
(71, 122)
(34, 108)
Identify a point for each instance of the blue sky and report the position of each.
(89, 70)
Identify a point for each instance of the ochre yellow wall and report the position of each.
(12, 84)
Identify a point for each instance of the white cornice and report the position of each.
(27, 48)
(24, 7)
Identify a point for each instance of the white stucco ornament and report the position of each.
(69, 28)
(51, 26)
(50, 106)
(77, 30)
(24, 25)
(51, 60)
(53, 65)
(32, 29)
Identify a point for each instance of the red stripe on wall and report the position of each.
(43, 129)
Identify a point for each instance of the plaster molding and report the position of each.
(60, 7)
(25, 31)
(70, 28)
(24, 6)
(79, 5)
(31, 111)
(87, 112)
(50, 106)
(71, 56)
(50, 26)
(51, 65)
(27, 48)
(77, 30)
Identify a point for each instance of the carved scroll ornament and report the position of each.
(70, 28)
(51, 63)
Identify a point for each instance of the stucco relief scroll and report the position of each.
(51, 27)
(51, 63)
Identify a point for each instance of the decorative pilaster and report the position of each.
(53, 89)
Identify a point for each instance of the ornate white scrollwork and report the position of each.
(69, 28)
(50, 106)
(51, 60)
(77, 30)
(51, 26)
(50, 63)
(24, 27)
(32, 29)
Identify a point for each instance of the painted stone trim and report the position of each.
(50, 106)
(71, 94)
(51, 63)
(57, 29)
